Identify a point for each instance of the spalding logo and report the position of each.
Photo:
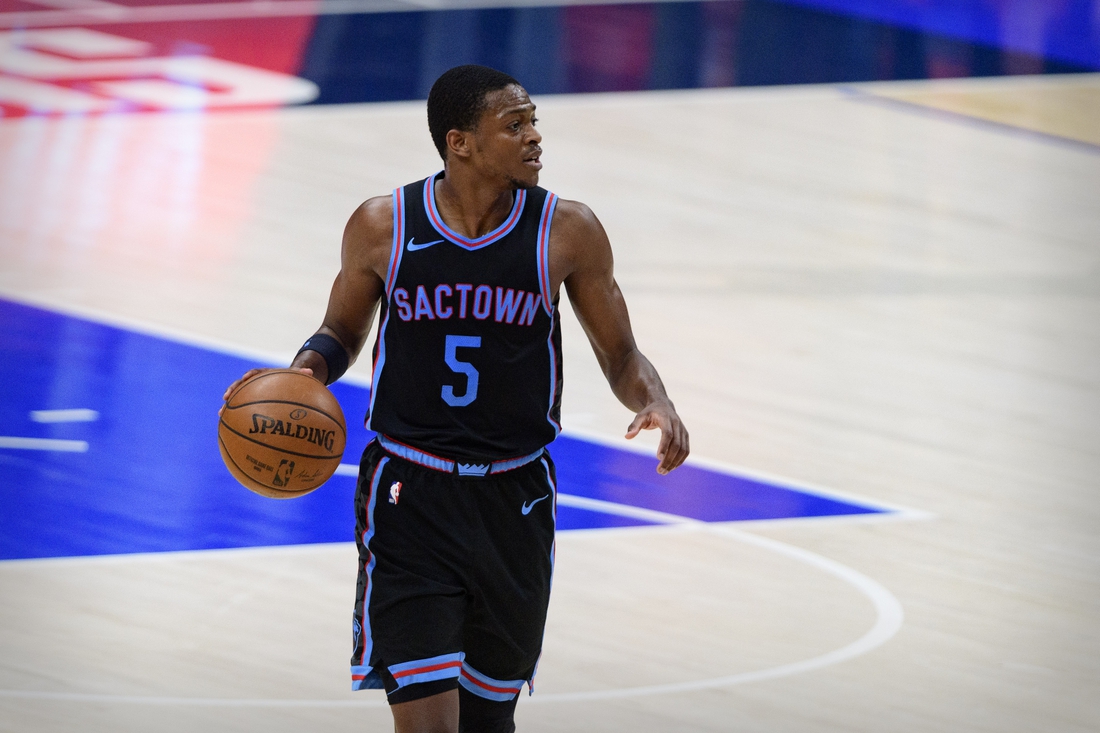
(262, 424)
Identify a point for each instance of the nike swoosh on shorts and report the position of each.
(527, 507)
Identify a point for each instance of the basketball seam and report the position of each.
(295, 372)
(280, 450)
(247, 475)
(271, 373)
(339, 423)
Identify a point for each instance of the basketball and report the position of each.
(282, 434)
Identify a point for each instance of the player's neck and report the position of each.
(470, 205)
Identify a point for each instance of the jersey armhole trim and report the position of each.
(545, 221)
(398, 237)
(391, 278)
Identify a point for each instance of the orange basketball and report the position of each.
(282, 434)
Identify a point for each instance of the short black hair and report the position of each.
(457, 100)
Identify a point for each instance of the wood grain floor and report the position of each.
(860, 295)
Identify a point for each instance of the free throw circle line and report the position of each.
(888, 612)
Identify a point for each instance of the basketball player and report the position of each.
(456, 496)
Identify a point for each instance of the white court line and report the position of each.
(888, 612)
(897, 511)
(62, 446)
(347, 469)
(77, 415)
(884, 513)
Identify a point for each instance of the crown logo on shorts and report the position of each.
(473, 469)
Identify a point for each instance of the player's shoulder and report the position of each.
(372, 222)
(574, 218)
(577, 240)
(368, 235)
(375, 215)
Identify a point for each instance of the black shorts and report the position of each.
(454, 576)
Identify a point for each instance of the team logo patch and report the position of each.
(395, 492)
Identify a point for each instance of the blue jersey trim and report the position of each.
(554, 506)
(543, 250)
(446, 465)
(413, 455)
(502, 466)
(553, 377)
(362, 675)
(442, 667)
(365, 677)
(485, 686)
(398, 238)
(379, 363)
(553, 557)
(391, 279)
(465, 242)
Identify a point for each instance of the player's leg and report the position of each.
(507, 615)
(410, 600)
(433, 714)
(479, 715)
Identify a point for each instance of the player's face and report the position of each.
(507, 141)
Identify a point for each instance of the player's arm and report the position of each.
(581, 257)
(356, 292)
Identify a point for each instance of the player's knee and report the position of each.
(478, 715)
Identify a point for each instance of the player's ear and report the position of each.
(458, 143)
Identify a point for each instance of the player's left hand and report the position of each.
(248, 375)
(673, 449)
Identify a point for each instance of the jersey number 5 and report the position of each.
(461, 367)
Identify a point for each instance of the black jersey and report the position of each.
(468, 358)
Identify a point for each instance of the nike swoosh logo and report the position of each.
(527, 507)
(412, 246)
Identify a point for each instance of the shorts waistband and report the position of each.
(446, 465)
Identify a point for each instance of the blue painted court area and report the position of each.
(1056, 29)
(138, 469)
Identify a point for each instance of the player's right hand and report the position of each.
(248, 375)
(661, 415)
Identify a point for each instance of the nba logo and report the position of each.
(283, 473)
(395, 492)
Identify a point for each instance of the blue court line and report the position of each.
(152, 479)
(867, 97)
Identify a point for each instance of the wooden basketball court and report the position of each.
(888, 290)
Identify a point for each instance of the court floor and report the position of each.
(887, 291)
